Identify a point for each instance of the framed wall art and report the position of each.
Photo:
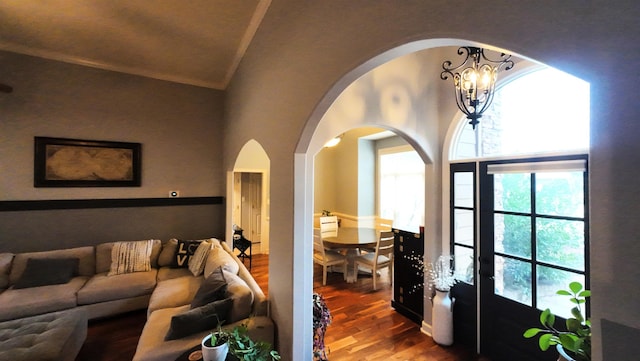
(60, 162)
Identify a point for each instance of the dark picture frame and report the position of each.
(61, 162)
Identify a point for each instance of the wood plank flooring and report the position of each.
(365, 327)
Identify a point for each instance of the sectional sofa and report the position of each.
(103, 280)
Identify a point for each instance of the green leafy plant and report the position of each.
(244, 348)
(241, 345)
(576, 339)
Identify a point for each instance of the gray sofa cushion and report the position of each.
(203, 318)
(102, 288)
(167, 273)
(53, 336)
(47, 271)
(33, 301)
(86, 256)
(174, 292)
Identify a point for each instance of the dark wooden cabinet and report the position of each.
(408, 276)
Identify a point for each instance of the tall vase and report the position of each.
(442, 318)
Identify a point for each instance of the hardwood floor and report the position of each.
(364, 327)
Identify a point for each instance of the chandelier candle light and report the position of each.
(474, 81)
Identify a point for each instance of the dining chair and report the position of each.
(381, 258)
(328, 226)
(384, 224)
(327, 258)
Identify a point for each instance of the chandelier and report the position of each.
(474, 81)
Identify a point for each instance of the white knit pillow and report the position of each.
(199, 258)
(128, 257)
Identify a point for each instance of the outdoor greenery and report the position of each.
(556, 240)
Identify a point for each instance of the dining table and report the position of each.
(351, 240)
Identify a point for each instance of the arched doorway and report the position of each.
(249, 195)
(409, 102)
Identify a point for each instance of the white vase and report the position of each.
(442, 318)
(215, 353)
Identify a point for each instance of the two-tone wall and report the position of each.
(179, 127)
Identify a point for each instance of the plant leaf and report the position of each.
(573, 325)
(575, 287)
(531, 332)
(563, 293)
(545, 341)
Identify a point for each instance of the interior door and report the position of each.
(251, 206)
(534, 241)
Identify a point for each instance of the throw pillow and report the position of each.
(5, 267)
(47, 271)
(197, 261)
(128, 257)
(218, 257)
(199, 319)
(168, 253)
(213, 288)
(184, 251)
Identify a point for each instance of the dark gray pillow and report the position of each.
(213, 288)
(199, 319)
(47, 271)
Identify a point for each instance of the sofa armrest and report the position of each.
(260, 302)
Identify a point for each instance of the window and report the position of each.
(540, 112)
(539, 228)
(401, 187)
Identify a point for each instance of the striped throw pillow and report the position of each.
(199, 258)
(128, 257)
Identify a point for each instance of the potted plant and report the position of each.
(321, 319)
(215, 345)
(574, 343)
(236, 342)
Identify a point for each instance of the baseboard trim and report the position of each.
(39, 205)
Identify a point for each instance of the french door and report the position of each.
(533, 240)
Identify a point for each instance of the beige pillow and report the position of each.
(5, 266)
(168, 252)
(218, 257)
(128, 257)
(197, 261)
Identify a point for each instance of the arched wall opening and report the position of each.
(251, 169)
(408, 104)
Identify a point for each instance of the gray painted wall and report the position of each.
(179, 127)
(306, 53)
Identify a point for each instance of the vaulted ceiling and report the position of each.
(197, 42)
